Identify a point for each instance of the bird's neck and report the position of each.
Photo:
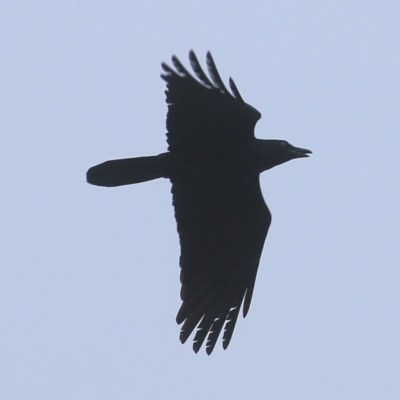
(265, 155)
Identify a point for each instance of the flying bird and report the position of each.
(214, 163)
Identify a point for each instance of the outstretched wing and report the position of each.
(203, 114)
(222, 228)
(221, 215)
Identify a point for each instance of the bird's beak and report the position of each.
(297, 152)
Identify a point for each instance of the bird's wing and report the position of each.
(202, 113)
(222, 228)
(221, 215)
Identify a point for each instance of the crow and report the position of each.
(214, 163)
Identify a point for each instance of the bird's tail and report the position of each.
(129, 170)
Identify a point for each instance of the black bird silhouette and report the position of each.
(214, 163)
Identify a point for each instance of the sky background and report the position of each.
(89, 277)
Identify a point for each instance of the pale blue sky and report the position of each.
(89, 277)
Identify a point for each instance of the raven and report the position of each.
(214, 163)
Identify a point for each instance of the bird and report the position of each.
(214, 162)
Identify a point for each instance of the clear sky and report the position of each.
(89, 277)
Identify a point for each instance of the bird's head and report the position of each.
(276, 152)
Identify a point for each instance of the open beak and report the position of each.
(298, 152)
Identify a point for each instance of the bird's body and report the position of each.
(214, 162)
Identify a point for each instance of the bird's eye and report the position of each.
(283, 144)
